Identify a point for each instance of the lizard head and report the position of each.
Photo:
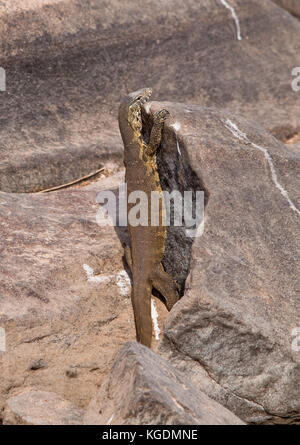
(130, 109)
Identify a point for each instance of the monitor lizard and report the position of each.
(147, 243)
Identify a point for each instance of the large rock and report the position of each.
(232, 332)
(293, 6)
(34, 407)
(68, 63)
(63, 291)
(144, 389)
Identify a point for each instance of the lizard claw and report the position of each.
(161, 115)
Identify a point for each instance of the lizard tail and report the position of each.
(141, 302)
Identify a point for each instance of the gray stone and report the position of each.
(144, 389)
(293, 6)
(232, 332)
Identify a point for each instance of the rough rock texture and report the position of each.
(144, 389)
(232, 331)
(293, 6)
(34, 407)
(63, 287)
(68, 63)
(64, 294)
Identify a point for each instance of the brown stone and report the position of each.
(68, 63)
(64, 293)
(34, 407)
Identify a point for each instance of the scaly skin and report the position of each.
(147, 243)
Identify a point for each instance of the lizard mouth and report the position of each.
(143, 97)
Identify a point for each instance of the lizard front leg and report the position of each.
(156, 131)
